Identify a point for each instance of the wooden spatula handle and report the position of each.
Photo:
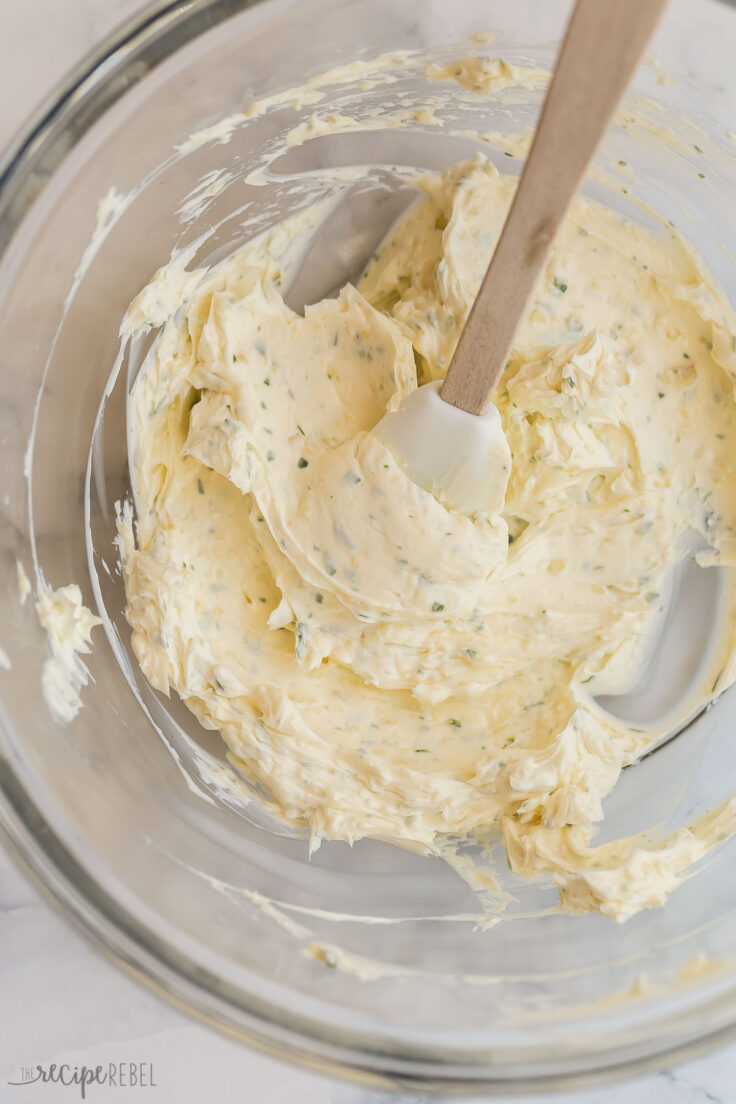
(604, 42)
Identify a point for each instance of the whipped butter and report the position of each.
(382, 665)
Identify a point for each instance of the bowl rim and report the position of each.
(76, 103)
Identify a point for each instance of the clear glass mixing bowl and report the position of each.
(122, 815)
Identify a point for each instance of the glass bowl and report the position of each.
(369, 961)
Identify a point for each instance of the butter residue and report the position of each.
(486, 74)
(68, 624)
(663, 75)
(355, 965)
(111, 206)
(24, 583)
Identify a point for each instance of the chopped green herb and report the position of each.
(438, 607)
(455, 723)
(302, 463)
(300, 430)
(560, 285)
(200, 486)
(270, 456)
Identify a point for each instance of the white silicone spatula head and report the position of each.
(462, 458)
(452, 440)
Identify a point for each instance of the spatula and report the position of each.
(448, 437)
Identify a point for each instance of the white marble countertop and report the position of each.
(60, 1000)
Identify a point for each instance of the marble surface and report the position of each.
(60, 1000)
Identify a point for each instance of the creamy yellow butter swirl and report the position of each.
(382, 665)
